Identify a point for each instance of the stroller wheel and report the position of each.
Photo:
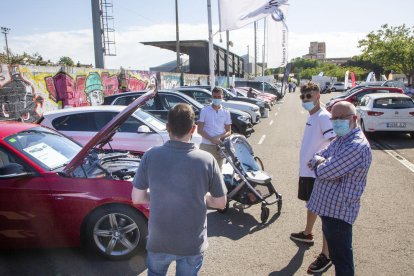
(264, 216)
(279, 204)
(222, 211)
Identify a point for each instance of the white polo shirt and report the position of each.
(318, 132)
(214, 121)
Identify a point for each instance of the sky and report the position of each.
(64, 28)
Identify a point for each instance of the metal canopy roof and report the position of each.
(184, 45)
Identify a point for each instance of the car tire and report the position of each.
(116, 232)
(333, 89)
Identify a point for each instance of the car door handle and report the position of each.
(59, 198)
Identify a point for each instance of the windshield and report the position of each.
(394, 103)
(44, 147)
(150, 120)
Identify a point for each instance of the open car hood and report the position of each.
(108, 131)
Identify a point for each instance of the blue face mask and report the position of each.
(341, 127)
(217, 101)
(308, 105)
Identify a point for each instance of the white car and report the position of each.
(386, 112)
(138, 134)
(204, 97)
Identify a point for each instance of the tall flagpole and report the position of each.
(210, 46)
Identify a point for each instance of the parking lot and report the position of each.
(240, 245)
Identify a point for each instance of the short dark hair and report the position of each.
(217, 90)
(309, 87)
(180, 119)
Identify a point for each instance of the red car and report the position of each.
(56, 193)
(355, 96)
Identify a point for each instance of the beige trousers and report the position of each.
(213, 150)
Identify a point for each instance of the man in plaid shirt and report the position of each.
(341, 174)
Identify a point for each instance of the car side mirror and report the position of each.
(144, 129)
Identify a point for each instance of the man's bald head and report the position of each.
(345, 111)
(343, 108)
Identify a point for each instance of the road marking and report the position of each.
(261, 139)
(278, 108)
(271, 122)
(387, 149)
(276, 114)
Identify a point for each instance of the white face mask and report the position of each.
(308, 105)
(217, 101)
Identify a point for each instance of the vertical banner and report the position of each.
(277, 52)
(234, 14)
(346, 80)
(353, 79)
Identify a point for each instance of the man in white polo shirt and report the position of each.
(214, 125)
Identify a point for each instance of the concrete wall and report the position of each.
(28, 91)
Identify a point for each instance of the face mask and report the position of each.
(217, 101)
(308, 105)
(341, 127)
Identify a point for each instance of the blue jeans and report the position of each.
(338, 234)
(158, 264)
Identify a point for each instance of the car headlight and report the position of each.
(260, 104)
(243, 118)
(254, 109)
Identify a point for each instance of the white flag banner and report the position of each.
(277, 35)
(234, 14)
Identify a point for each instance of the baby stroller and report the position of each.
(245, 179)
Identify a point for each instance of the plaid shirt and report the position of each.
(341, 178)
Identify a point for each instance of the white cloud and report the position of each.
(132, 54)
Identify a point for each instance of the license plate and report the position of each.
(396, 125)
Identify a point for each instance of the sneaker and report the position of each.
(320, 264)
(302, 237)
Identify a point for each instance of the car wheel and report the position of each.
(333, 89)
(116, 232)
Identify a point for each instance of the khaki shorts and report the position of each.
(213, 150)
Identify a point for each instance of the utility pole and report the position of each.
(248, 60)
(177, 45)
(210, 47)
(5, 31)
(255, 48)
(227, 61)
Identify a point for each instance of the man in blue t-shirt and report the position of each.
(179, 181)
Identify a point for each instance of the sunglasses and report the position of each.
(307, 96)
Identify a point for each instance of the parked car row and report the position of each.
(80, 162)
(380, 108)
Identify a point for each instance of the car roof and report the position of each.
(8, 128)
(386, 95)
(83, 109)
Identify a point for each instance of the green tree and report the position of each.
(392, 48)
(67, 61)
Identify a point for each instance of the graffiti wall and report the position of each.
(28, 91)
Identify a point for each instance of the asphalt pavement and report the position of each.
(240, 245)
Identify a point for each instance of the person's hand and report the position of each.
(315, 161)
(216, 140)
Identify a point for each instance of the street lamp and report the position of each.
(5, 31)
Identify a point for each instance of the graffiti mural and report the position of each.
(28, 91)
(18, 100)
